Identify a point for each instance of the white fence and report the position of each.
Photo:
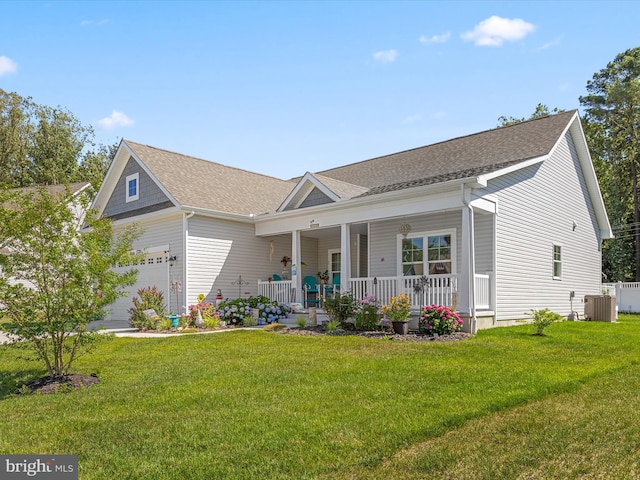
(627, 295)
(439, 289)
(280, 291)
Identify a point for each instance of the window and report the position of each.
(428, 253)
(413, 256)
(557, 261)
(132, 187)
(439, 254)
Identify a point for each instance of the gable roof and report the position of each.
(333, 190)
(461, 157)
(198, 183)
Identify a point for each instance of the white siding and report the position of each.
(537, 208)
(155, 233)
(383, 239)
(220, 251)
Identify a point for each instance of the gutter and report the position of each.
(472, 264)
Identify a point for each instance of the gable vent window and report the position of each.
(132, 186)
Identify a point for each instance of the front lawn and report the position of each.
(252, 404)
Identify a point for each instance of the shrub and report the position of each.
(439, 319)
(332, 326)
(150, 299)
(234, 311)
(274, 327)
(541, 319)
(208, 313)
(163, 324)
(340, 307)
(249, 321)
(367, 314)
(301, 321)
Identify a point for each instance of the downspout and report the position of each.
(472, 265)
(185, 230)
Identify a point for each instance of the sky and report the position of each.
(287, 87)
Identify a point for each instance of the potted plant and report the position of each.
(324, 276)
(398, 312)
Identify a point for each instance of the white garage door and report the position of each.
(153, 272)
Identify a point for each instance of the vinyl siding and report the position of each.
(383, 239)
(219, 251)
(150, 194)
(537, 208)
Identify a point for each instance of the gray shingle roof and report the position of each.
(198, 183)
(461, 157)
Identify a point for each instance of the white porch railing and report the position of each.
(276, 290)
(439, 289)
(483, 291)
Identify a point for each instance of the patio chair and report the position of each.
(333, 287)
(311, 293)
(276, 278)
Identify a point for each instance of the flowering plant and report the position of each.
(399, 308)
(234, 311)
(210, 316)
(367, 314)
(440, 320)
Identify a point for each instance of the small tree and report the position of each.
(54, 280)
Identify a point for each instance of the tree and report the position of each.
(42, 145)
(54, 279)
(540, 111)
(612, 125)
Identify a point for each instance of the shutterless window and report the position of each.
(439, 254)
(132, 186)
(412, 256)
(557, 261)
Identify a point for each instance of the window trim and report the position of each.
(129, 178)
(425, 260)
(555, 262)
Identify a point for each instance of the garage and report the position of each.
(153, 270)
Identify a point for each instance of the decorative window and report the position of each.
(132, 186)
(431, 253)
(557, 261)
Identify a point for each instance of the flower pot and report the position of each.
(401, 328)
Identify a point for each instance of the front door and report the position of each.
(334, 267)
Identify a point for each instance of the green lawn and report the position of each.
(252, 404)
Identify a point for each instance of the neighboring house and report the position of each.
(499, 222)
(76, 191)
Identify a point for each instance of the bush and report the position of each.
(150, 299)
(340, 307)
(333, 325)
(301, 321)
(234, 311)
(439, 319)
(163, 324)
(541, 319)
(248, 321)
(208, 313)
(367, 314)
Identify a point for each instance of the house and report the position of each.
(498, 222)
(76, 195)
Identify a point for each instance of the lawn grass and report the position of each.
(252, 404)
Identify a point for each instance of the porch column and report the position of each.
(296, 269)
(466, 275)
(345, 256)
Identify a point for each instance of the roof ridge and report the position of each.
(171, 152)
(449, 140)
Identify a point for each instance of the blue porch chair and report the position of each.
(311, 294)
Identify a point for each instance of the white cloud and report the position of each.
(547, 45)
(385, 56)
(494, 31)
(7, 66)
(412, 118)
(435, 38)
(116, 119)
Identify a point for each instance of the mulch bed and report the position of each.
(64, 384)
(412, 336)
